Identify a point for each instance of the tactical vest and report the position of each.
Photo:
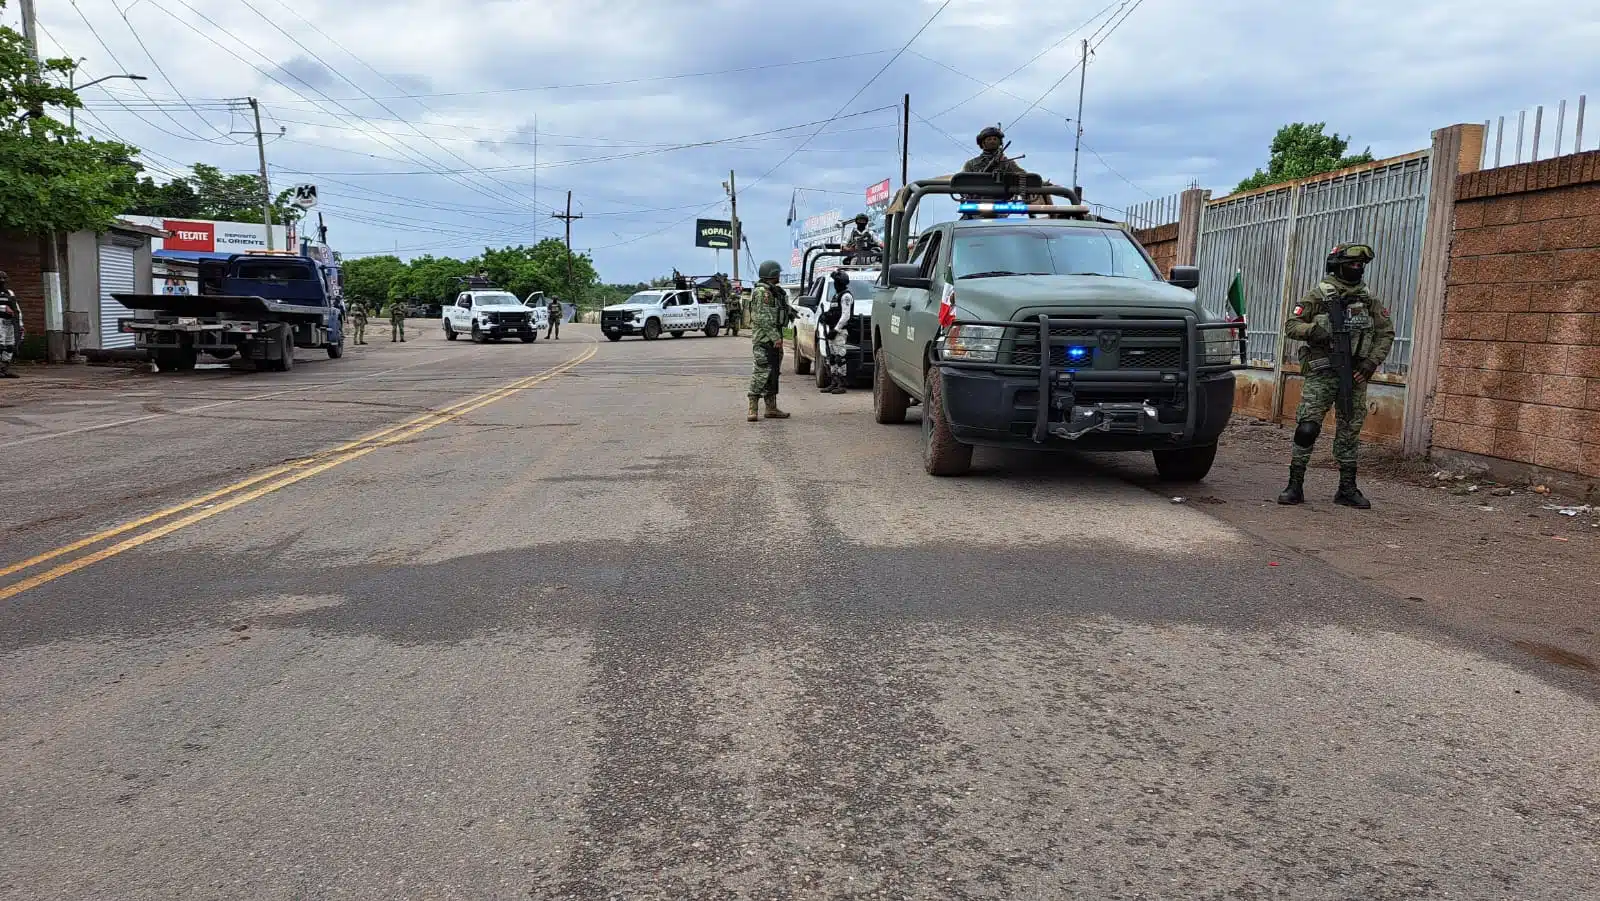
(1357, 310)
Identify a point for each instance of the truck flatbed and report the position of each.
(220, 305)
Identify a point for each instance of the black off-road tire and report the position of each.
(942, 454)
(1185, 464)
(652, 329)
(889, 402)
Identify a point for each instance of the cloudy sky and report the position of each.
(440, 127)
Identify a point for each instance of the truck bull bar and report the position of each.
(1051, 376)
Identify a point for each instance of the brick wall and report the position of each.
(1519, 368)
(19, 259)
(1162, 244)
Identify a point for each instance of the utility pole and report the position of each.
(1083, 73)
(266, 188)
(733, 198)
(50, 256)
(568, 217)
(905, 139)
(536, 178)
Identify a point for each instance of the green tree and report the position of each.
(209, 193)
(429, 279)
(1300, 150)
(543, 267)
(50, 178)
(369, 279)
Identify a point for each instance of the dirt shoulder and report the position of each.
(1456, 543)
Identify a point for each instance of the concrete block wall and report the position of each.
(1519, 361)
(1162, 244)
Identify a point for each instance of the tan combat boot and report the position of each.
(754, 415)
(772, 408)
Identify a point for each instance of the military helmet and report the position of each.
(769, 269)
(841, 278)
(861, 219)
(1349, 260)
(990, 132)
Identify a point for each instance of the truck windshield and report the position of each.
(496, 298)
(1043, 250)
(646, 298)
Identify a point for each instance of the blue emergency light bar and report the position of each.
(1011, 207)
(1077, 353)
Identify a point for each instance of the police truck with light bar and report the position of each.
(1039, 326)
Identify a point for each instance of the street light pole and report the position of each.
(72, 113)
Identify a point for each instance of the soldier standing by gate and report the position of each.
(769, 314)
(1371, 337)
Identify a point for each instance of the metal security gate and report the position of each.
(1278, 239)
(116, 277)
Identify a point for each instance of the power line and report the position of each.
(163, 73)
(624, 156)
(319, 59)
(1114, 27)
(1036, 57)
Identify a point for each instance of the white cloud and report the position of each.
(1183, 90)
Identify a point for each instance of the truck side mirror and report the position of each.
(908, 275)
(1185, 277)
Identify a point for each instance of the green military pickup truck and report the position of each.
(1052, 330)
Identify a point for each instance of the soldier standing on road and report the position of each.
(1371, 337)
(358, 318)
(11, 329)
(556, 312)
(835, 320)
(769, 314)
(397, 322)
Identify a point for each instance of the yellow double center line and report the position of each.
(291, 473)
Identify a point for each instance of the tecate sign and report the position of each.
(878, 193)
(189, 235)
(212, 236)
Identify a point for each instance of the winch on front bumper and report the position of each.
(1105, 382)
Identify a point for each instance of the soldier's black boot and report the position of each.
(1296, 492)
(1349, 495)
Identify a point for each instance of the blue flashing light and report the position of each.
(1077, 354)
(1012, 207)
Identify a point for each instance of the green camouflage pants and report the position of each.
(397, 329)
(1317, 397)
(361, 331)
(764, 377)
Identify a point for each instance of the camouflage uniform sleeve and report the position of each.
(1302, 316)
(1382, 334)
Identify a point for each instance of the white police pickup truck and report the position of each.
(649, 313)
(489, 315)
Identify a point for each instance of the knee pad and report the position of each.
(1305, 434)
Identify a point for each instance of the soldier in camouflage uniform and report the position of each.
(397, 322)
(769, 314)
(11, 328)
(358, 319)
(992, 159)
(1371, 337)
(555, 312)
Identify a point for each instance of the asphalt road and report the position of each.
(450, 621)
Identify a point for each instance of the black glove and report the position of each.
(1366, 370)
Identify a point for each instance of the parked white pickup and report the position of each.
(489, 316)
(649, 313)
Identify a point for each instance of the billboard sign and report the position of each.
(714, 233)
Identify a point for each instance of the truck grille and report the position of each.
(508, 318)
(615, 317)
(1136, 349)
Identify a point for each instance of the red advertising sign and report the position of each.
(189, 235)
(878, 193)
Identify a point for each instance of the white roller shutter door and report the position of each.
(116, 277)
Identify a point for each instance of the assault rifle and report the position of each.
(1339, 320)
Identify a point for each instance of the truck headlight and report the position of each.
(973, 343)
(1219, 346)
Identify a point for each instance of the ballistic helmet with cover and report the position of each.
(1349, 261)
(862, 220)
(769, 270)
(990, 132)
(841, 280)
